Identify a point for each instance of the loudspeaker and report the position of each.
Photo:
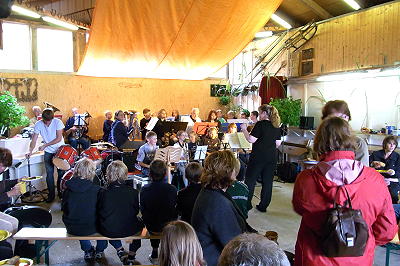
(5, 8)
(306, 122)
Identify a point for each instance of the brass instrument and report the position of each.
(49, 105)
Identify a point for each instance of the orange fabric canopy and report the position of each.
(170, 39)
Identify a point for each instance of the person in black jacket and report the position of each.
(216, 218)
(118, 208)
(107, 125)
(187, 196)
(119, 132)
(266, 137)
(157, 204)
(79, 207)
(389, 160)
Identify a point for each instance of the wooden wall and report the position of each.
(364, 39)
(96, 95)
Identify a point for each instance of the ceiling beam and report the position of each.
(317, 9)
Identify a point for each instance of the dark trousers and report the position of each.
(266, 172)
(83, 141)
(48, 163)
(394, 189)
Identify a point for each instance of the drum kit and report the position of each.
(67, 156)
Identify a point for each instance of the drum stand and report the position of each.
(34, 197)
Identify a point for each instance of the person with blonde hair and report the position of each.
(118, 210)
(266, 137)
(180, 246)
(79, 203)
(215, 217)
(337, 178)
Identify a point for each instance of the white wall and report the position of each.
(373, 102)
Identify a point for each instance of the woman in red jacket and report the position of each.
(315, 191)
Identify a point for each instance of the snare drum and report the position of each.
(67, 176)
(65, 157)
(93, 154)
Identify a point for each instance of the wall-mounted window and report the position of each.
(16, 52)
(55, 50)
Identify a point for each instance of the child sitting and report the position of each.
(187, 196)
(192, 145)
(180, 246)
(157, 204)
(181, 165)
(79, 203)
(212, 140)
(146, 152)
(118, 208)
(239, 193)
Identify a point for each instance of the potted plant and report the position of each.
(12, 114)
(289, 110)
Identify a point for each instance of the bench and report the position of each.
(392, 245)
(42, 236)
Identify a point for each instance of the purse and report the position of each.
(345, 232)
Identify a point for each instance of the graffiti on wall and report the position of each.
(24, 89)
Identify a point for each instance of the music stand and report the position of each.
(201, 152)
(176, 126)
(79, 120)
(200, 128)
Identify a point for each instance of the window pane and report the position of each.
(55, 50)
(16, 53)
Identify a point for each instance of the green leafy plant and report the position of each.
(12, 114)
(289, 110)
(224, 100)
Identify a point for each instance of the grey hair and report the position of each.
(252, 249)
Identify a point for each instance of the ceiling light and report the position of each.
(353, 4)
(263, 34)
(281, 22)
(60, 23)
(24, 11)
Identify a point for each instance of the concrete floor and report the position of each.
(280, 218)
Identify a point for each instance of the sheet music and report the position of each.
(238, 141)
(201, 152)
(79, 120)
(238, 121)
(153, 121)
(168, 154)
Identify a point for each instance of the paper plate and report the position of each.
(22, 262)
(4, 234)
(32, 178)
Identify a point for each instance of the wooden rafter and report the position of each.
(317, 9)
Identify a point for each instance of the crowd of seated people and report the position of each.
(205, 222)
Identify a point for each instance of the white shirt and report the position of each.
(49, 133)
(184, 151)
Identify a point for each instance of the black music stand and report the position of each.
(201, 152)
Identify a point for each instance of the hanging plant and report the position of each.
(224, 100)
(12, 114)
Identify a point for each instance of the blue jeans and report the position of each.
(48, 164)
(86, 245)
(396, 208)
(83, 141)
